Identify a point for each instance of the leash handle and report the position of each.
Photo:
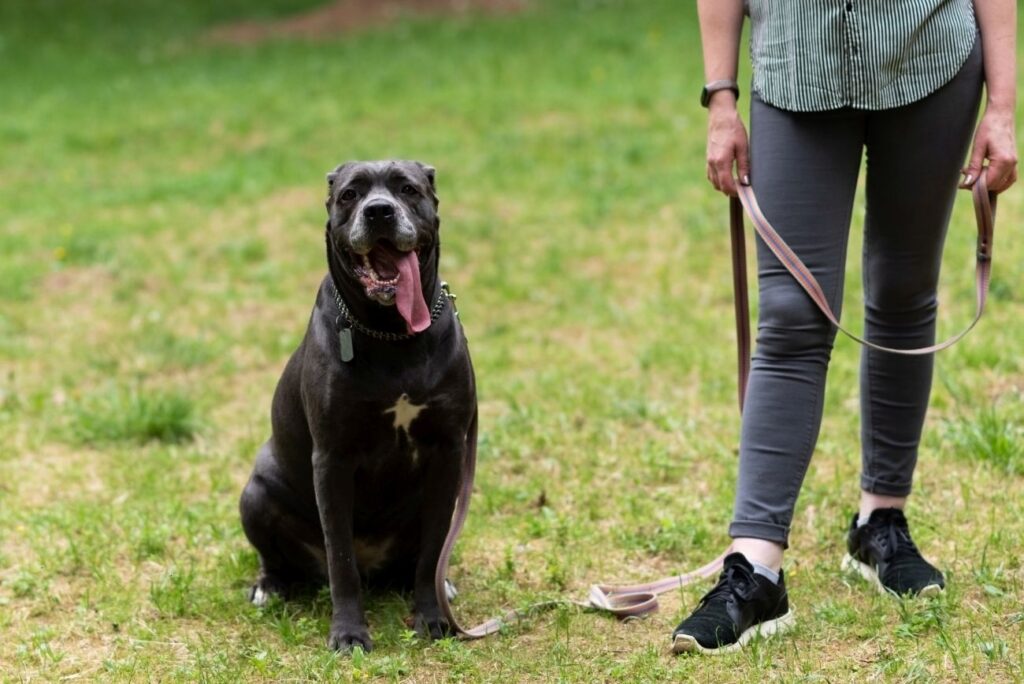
(740, 297)
(984, 212)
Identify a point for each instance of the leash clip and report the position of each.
(984, 251)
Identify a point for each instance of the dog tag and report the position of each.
(345, 344)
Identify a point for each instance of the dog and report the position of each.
(373, 414)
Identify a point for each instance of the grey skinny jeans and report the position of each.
(804, 169)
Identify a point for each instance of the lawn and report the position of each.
(160, 246)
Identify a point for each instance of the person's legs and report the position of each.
(914, 156)
(804, 171)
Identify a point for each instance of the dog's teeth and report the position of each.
(370, 274)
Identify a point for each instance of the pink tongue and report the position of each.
(409, 298)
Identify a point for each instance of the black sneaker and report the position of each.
(883, 553)
(741, 606)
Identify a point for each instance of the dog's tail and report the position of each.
(631, 601)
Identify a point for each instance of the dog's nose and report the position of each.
(379, 212)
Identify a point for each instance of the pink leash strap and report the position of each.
(984, 211)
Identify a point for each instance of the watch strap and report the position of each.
(713, 87)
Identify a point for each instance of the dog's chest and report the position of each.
(405, 418)
(396, 431)
(403, 413)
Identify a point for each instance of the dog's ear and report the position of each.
(331, 177)
(431, 173)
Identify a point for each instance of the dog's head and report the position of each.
(382, 224)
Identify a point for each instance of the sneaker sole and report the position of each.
(684, 643)
(852, 565)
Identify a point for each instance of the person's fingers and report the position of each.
(712, 176)
(719, 168)
(973, 167)
(1001, 174)
(1011, 178)
(726, 183)
(743, 161)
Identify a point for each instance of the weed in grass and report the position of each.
(171, 350)
(151, 542)
(37, 649)
(293, 624)
(994, 650)
(80, 247)
(25, 583)
(247, 251)
(918, 616)
(366, 666)
(173, 594)
(836, 613)
(18, 276)
(133, 415)
(992, 435)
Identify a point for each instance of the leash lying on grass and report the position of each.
(639, 600)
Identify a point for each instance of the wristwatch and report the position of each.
(715, 86)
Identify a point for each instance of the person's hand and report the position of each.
(727, 144)
(995, 141)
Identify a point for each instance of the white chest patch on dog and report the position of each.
(405, 413)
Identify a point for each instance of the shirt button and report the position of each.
(849, 7)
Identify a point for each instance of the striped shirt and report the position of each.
(815, 55)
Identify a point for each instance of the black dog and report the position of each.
(373, 413)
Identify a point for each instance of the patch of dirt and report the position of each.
(346, 16)
(77, 279)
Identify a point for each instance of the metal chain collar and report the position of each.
(435, 312)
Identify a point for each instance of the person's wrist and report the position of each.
(716, 86)
(1001, 98)
(722, 101)
(1002, 107)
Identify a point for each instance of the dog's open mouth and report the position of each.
(378, 272)
(392, 277)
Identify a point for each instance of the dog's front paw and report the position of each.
(347, 636)
(432, 627)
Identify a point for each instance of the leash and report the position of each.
(640, 600)
(985, 216)
(624, 602)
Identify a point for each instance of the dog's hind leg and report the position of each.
(291, 548)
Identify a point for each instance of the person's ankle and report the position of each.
(870, 502)
(760, 552)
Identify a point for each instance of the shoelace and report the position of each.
(893, 536)
(738, 580)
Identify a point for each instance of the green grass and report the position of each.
(119, 415)
(161, 243)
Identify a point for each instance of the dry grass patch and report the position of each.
(344, 16)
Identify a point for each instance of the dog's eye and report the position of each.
(348, 195)
(408, 190)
